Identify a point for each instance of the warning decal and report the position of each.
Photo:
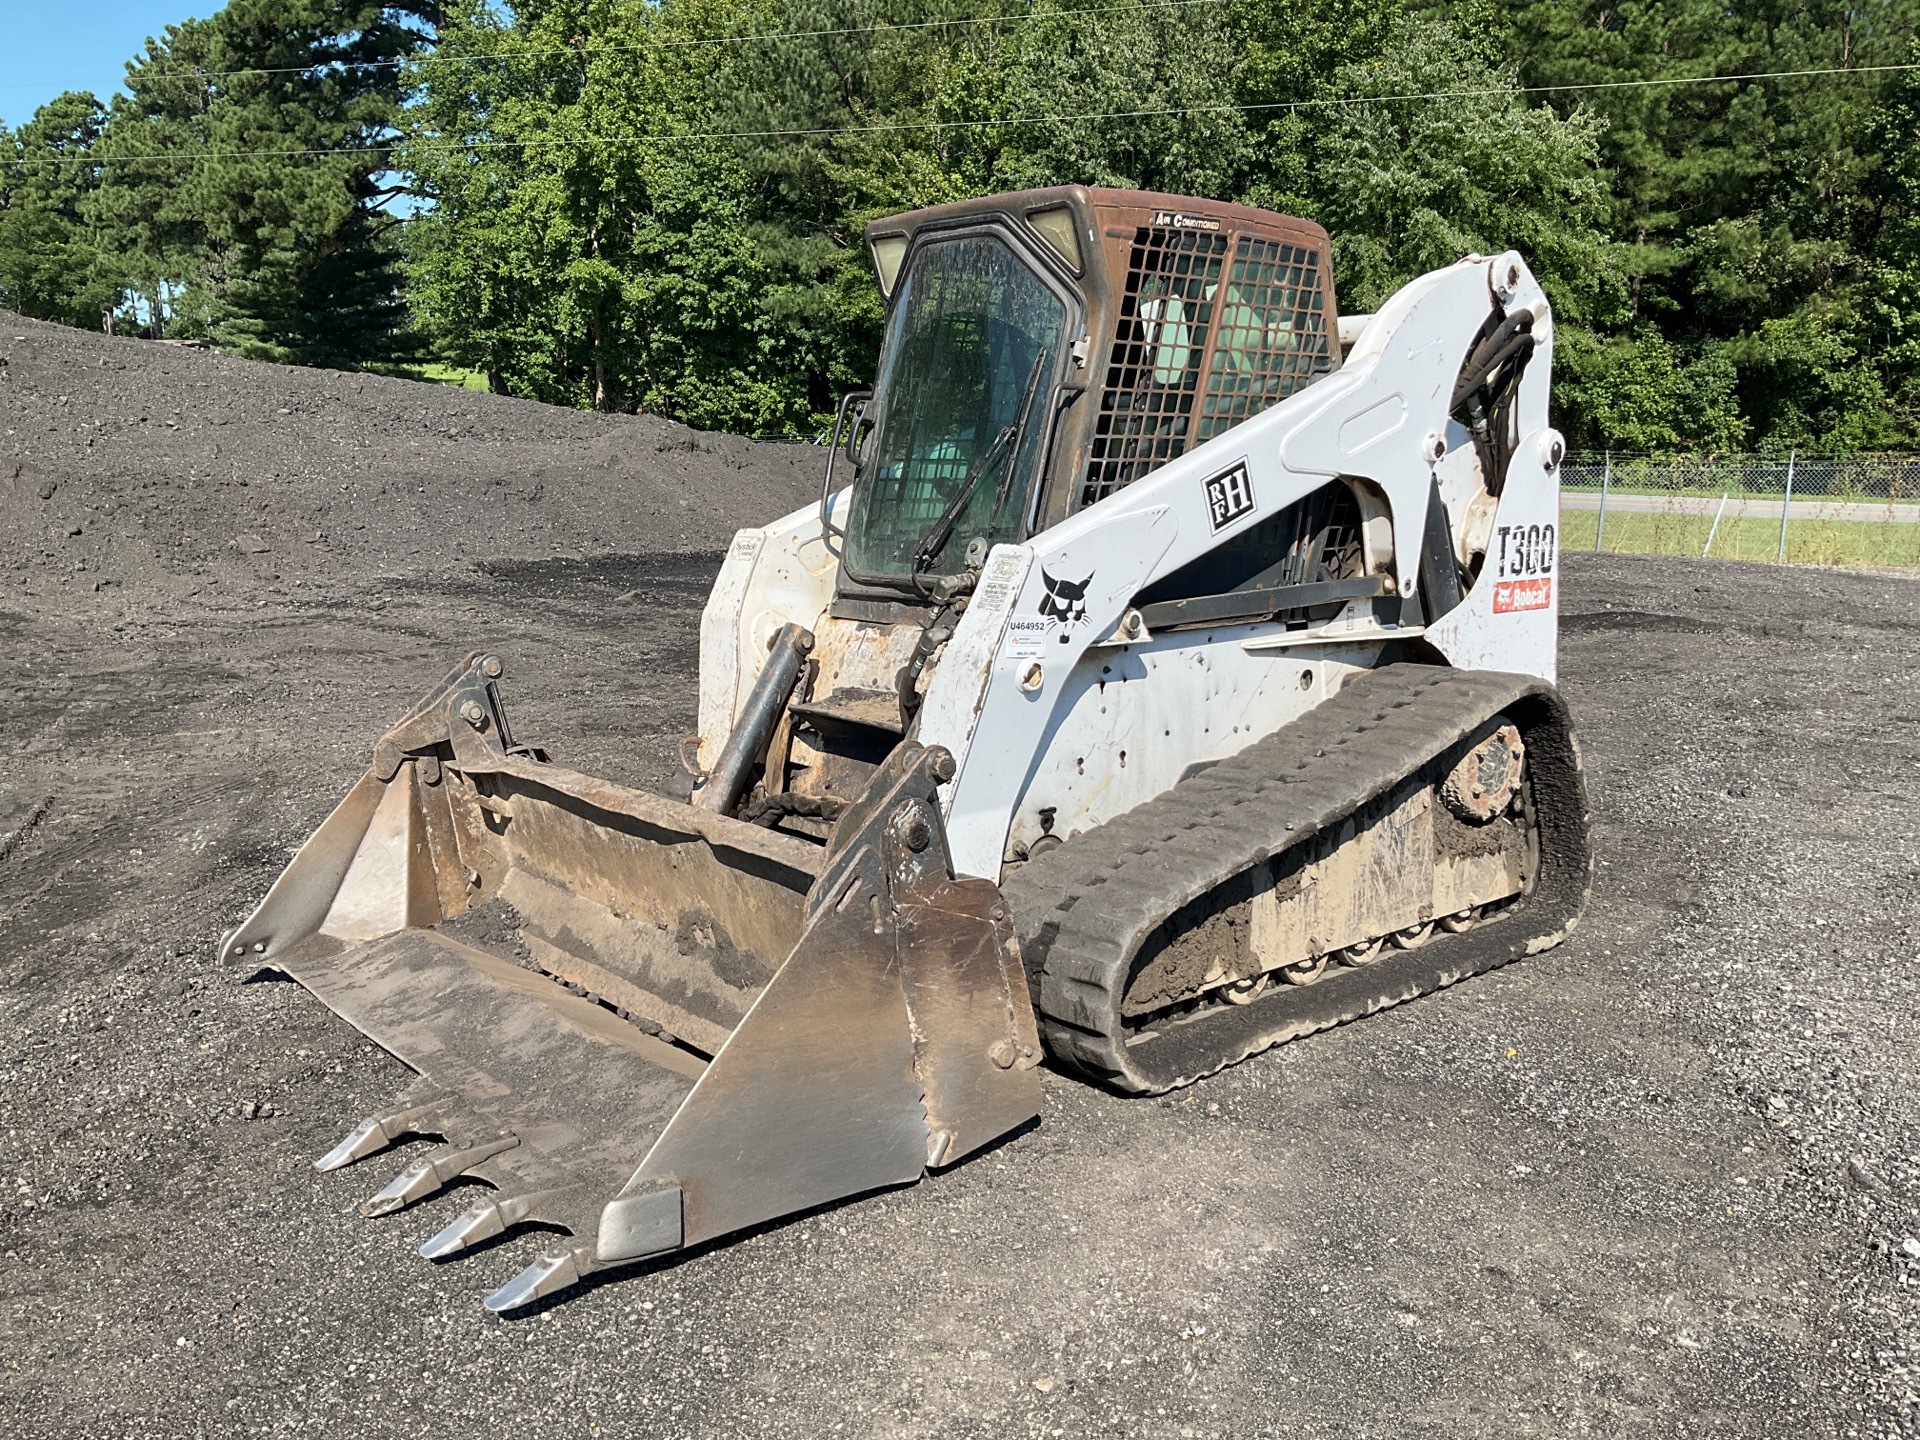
(996, 586)
(1026, 638)
(1510, 595)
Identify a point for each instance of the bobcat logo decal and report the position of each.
(1066, 600)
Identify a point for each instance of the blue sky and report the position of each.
(47, 46)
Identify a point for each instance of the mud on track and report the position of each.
(1605, 1192)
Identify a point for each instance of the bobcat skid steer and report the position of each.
(1171, 677)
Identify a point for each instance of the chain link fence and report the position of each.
(1798, 509)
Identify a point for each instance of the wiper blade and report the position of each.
(1007, 442)
(1013, 446)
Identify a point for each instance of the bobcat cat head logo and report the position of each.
(1066, 600)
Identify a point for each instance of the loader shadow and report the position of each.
(267, 975)
(677, 579)
(1638, 621)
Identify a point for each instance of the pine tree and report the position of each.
(1750, 210)
(248, 173)
(50, 263)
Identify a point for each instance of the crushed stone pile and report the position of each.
(125, 463)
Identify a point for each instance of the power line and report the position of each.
(898, 126)
(588, 51)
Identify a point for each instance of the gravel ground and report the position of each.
(1663, 1180)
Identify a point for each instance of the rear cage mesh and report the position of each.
(1182, 337)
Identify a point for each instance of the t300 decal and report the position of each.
(1527, 553)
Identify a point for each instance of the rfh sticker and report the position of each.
(1229, 496)
(1527, 552)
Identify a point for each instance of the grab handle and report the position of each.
(827, 528)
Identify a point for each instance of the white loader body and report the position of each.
(1087, 713)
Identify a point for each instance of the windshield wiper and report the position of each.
(1007, 442)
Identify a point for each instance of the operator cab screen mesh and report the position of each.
(1270, 333)
(1253, 341)
(1153, 375)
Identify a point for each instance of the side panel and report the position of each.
(958, 688)
(720, 686)
(1134, 719)
(782, 573)
(1510, 620)
(1071, 593)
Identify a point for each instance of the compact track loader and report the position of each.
(1172, 676)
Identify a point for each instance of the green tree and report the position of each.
(246, 176)
(1754, 213)
(1225, 100)
(1730, 262)
(873, 106)
(576, 249)
(1890, 292)
(1644, 394)
(1408, 185)
(49, 256)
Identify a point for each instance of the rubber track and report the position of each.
(1085, 909)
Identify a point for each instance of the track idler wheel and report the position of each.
(1364, 953)
(1487, 778)
(1245, 992)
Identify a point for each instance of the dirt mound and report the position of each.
(126, 463)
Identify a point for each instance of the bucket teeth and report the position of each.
(550, 1274)
(483, 1221)
(378, 1132)
(427, 1174)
